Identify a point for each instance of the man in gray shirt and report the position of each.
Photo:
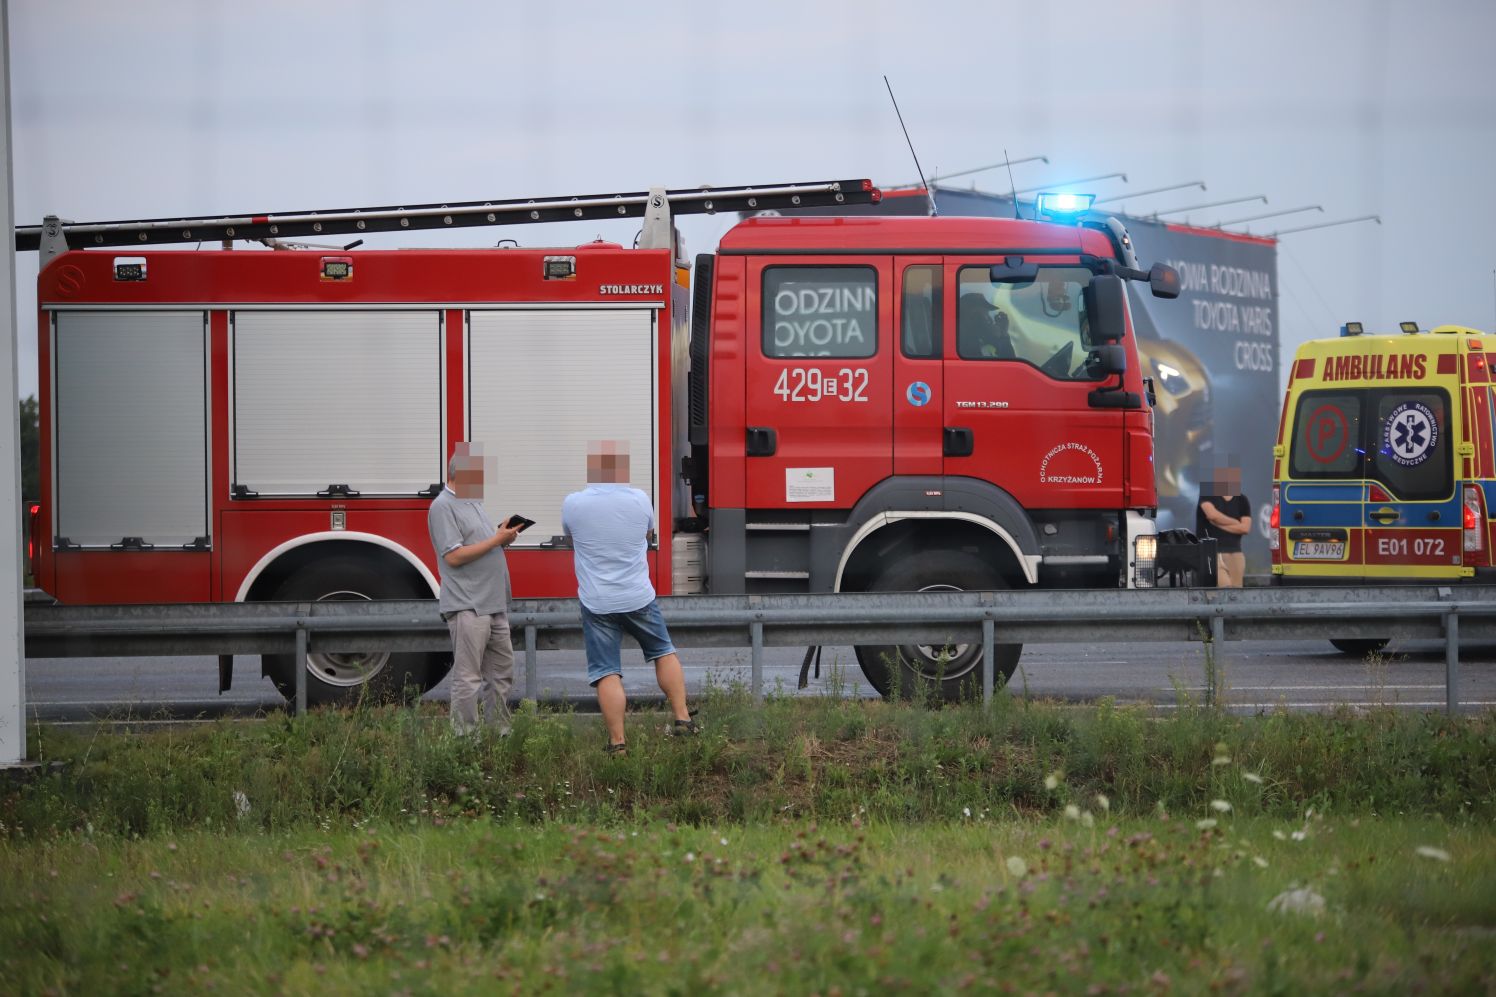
(474, 593)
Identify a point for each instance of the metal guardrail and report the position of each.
(1214, 616)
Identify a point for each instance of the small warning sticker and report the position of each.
(810, 484)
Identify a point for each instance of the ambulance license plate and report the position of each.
(1318, 550)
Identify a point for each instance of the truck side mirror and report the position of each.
(1163, 280)
(1106, 305)
(1104, 361)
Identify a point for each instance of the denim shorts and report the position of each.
(603, 635)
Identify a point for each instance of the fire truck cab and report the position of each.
(919, 403)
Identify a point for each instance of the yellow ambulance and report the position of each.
(1384, 460)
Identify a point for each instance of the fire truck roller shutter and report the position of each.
(933, 534)
(130, 411)
(348, 569)
(337, 397)
(543, 385)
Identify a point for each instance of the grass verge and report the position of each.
(795, 847)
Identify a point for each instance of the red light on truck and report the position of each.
(33, 521)
(1375, 493)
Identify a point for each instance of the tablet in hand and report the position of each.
(519, 522)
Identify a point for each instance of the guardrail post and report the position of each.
(988, 678)
(756, 634)
(1213, 661)
(1452, 662)
(532, 681)
(300, 669)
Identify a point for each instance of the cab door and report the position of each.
(918, 370)
(1016, 410)
(818, 372)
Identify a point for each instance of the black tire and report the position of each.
(340, 679)
(1359, 647)
(905, 670)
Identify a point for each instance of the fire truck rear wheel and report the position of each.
(340, 679)
(944, 674)
(1359, 647)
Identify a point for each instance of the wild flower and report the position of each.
(1299, 835)
(1086, 819)
(1017, 866)
(966, 811)
(722, 840)
(1072, 812)
(1430, 852)
(1280, 835)
(1300, 901)
(1220, 806)
(690, 856)
(1252, 777)
(1052, 781)
(1104, 803)
(1205, 823)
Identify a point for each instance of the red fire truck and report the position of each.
(848, 404)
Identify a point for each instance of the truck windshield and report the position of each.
(1394, 436)
(1042, 323)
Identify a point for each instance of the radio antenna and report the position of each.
(1012, 185)
(929, 194)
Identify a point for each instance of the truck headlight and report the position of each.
(1144, 556)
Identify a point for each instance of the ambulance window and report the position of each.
(820, 312)
(1042, 322)
(1411, 442)
(1327, 435)
(919, 312)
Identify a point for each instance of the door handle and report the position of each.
(762, 441)
(1384, 515)
(958, 441)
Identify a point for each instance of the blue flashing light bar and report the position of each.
(1064, 204)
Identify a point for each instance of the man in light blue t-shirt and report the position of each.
(611, 526)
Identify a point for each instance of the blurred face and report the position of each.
(467, 471)
(1223, 481)
(608, 462)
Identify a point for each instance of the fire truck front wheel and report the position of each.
(948, 673)
(344, 679)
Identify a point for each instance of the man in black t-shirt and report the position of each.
(1225, 515)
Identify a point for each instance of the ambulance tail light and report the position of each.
(1272, 533)
(1474, 520)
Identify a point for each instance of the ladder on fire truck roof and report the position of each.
(655, 205)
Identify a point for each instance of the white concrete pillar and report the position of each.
(12, 644)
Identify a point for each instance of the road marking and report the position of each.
(1327, 702)
(1301, 688)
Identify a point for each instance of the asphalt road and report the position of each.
(1257, 676)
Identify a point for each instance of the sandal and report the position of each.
(617, 749)
(683, 728)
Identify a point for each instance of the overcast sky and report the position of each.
(153, 108)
